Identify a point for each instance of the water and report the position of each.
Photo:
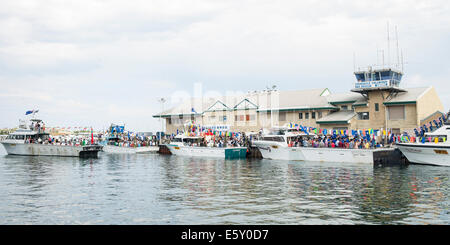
(158, 190)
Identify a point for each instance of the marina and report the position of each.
(142, 189)
(247, 114)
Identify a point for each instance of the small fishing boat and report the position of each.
(116, 146)
(32, 141)
(117, 143)
(275, 145)
(431, 152)
(194, 146)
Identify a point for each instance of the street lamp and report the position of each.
(162, 101)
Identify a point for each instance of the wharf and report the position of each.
(164, 150)
(383, 156)
(389, 156)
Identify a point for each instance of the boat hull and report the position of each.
(217, 152)
(278, 151)
(129, 150)
(50, 150)
(430, 154)
(338, 155)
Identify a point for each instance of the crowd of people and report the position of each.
(238, 139)
(125, 140)
(335, 142)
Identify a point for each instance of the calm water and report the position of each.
(158, 190)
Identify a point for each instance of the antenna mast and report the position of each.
(402, 60)
(389, 45)
(398, 57)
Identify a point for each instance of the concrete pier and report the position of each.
(389, 156)
(164, 150)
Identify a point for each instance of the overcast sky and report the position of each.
(92, 63)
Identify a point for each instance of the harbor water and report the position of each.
(152, 189)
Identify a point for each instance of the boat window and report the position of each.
(277, 132)
(177, 140)
(273, 138)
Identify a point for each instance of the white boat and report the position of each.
(190, 146)
(274, 145)
(28, 141)
(116, 145)
(130, 150)
(112, 145)
(429, 153)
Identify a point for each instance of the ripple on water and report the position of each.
(156, 189)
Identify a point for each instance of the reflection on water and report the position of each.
(156, 189)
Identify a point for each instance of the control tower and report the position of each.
(372, 79)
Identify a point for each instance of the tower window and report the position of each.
(363, 115)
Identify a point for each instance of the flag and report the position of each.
(92, 136)
(435, 123)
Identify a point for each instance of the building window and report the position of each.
(395, 131)
(319, 114)
(306, 115)
(300, 115)
(363, 115)
(224, 118)
(282, 116)
(377, 107)
(396, 112)
(313, 115)
(240, 118)
(344, 107)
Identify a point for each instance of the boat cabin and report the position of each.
(187, 140)
(442, 133)
(284, 134)
(27, 136)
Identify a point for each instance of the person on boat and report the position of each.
(351, 145)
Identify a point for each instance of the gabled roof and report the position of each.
(339, 117)
(409, 97)
(245, 104)
(295, 100)
(218, 106)
(345, 98)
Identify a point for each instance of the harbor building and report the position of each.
(376, 101)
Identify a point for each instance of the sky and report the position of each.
(96, 62)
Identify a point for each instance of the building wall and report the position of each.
(409, 123)
(428, 104)
(377, 119)
(434, 116)
(425, 106)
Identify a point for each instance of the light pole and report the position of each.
(162, 100)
